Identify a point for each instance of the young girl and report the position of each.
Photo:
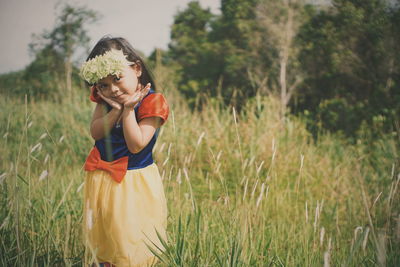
(124, 201)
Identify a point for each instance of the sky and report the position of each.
(145, 24)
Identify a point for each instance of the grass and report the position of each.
(243, 189)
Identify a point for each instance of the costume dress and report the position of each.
(124, 200)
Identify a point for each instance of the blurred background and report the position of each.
(335, 62)
(282, 144)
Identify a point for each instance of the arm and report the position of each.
(102, 122)
(138, 135)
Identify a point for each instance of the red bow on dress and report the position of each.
(116, 168)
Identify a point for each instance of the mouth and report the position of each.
(118, 96)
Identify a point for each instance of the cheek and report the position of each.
(135, 80)
(106, 93)
(133, 85)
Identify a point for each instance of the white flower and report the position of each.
(110, 63)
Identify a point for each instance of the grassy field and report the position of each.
(243, 189)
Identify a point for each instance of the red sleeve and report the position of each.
(154, 105)
(94, 96)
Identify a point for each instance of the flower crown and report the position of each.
(110, 63)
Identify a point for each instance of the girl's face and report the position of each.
(120, 89)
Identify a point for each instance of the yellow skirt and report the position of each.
(119, 219)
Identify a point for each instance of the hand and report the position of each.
(137, 96)
(112, 103)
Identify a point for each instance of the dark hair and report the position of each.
(107, 43)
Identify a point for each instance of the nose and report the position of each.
(114, 88)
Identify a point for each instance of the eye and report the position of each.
(101, 86)
(116, 78)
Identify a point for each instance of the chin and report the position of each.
(120, 100)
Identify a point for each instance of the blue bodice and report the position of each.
(113, 146)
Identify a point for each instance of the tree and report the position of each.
(349, 52)
(213, 51)
(44, 75)
(233, 33)
(280, 21)
(191, 51)
(69, 34)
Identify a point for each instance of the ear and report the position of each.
(138, 68)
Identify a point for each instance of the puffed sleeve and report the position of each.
(154, 105)
(94, 96)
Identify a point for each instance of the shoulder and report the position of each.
(154, 105)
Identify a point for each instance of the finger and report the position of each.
(142, 94)
(139, 87)
(148, 86)
(100, 94)
(105, 98)
(110, 101)
(143, 88)
(145, 91)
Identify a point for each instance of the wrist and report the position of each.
(131, 105)
(117, 110)
(128, 109)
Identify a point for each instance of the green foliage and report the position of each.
(190, 49)
(348, 53)
(52, 73)
(12, 83)
(238, 185)
(337, 115)
(344, 56)
(71, 30)
(43, 76)
(211, 50)
(234, 32)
